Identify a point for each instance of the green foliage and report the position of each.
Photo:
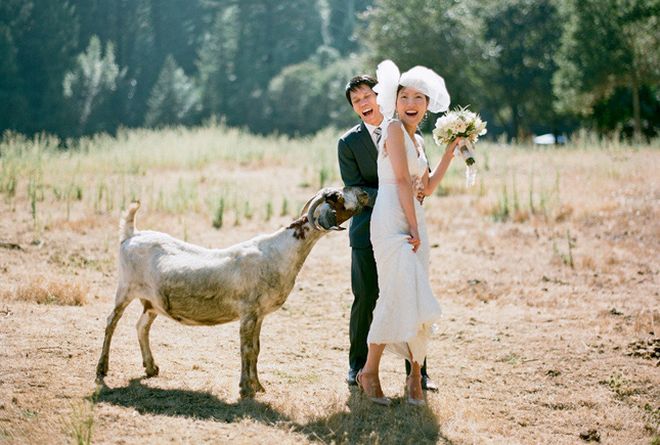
(39, 39)
(501, 211)
(248, 45)
(92, 80)
(342, 22)
(607, 44)
(13, 106)
(80, 425)
(174, 98)
(218, 218)
(80, 67)
(615, 115)
(309, 96)
(441, 34)
(269, 211)
(285, 207)
(523, 37)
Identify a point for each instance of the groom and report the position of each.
(357, 163)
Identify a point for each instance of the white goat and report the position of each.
(199, 286)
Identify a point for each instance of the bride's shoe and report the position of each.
(373, 390)
(409, 391)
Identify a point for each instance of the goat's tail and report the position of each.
(127, 221)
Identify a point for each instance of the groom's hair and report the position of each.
(355, 83)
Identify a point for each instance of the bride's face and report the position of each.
(411, 104)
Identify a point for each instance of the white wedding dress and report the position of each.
(406, 308)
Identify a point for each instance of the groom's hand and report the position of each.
(419, 191)
(420, 196)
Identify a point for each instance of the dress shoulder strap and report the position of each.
(385, 127)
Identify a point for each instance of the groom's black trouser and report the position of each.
(364, 281)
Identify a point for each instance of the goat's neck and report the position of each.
(296, 242)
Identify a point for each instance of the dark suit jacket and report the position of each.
(358, 166)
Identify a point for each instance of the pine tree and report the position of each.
(174, 98)
(13, 106)
(251, 42)
(44, 36)
(92, 81)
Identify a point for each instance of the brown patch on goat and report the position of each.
(336, 201)
(299, 227)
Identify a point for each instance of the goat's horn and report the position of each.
(306, 206)
(313, 204)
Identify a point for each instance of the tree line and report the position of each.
(77, 67)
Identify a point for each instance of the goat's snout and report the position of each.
(342, 205)
(328, 217)
(332, 206)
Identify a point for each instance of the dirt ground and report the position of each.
(550, 331)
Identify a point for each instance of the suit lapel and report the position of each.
(367, 142)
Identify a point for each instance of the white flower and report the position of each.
(458, 122)
(466, 124)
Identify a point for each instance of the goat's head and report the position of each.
(331, 206)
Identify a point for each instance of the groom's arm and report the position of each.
(350, 172)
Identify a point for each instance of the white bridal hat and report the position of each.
(420, 78)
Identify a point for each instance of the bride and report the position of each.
(406, 307)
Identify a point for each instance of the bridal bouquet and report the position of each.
(467, 125)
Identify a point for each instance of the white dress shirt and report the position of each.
(371, 129)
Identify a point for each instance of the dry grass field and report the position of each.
(547, 271)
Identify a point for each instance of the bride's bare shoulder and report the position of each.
(395, 126)
(394, 122)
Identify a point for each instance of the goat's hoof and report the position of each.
(152, 372)
(100, 379)
(260, 388)
(247, 393)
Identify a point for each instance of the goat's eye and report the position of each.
(334, 197)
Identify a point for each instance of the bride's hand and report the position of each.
(414, 240)
(452, 145)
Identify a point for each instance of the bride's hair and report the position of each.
(400, 87)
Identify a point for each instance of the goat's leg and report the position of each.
(121, 301)
(250, 328)
(256, 345)
(143, 327)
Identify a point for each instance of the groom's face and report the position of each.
(363, 100)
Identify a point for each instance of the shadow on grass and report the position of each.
(365, 422)
(185, 403)
(361, 422)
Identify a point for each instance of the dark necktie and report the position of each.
(378, 133)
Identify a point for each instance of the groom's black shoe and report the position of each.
(351, 378)
(428, 384)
